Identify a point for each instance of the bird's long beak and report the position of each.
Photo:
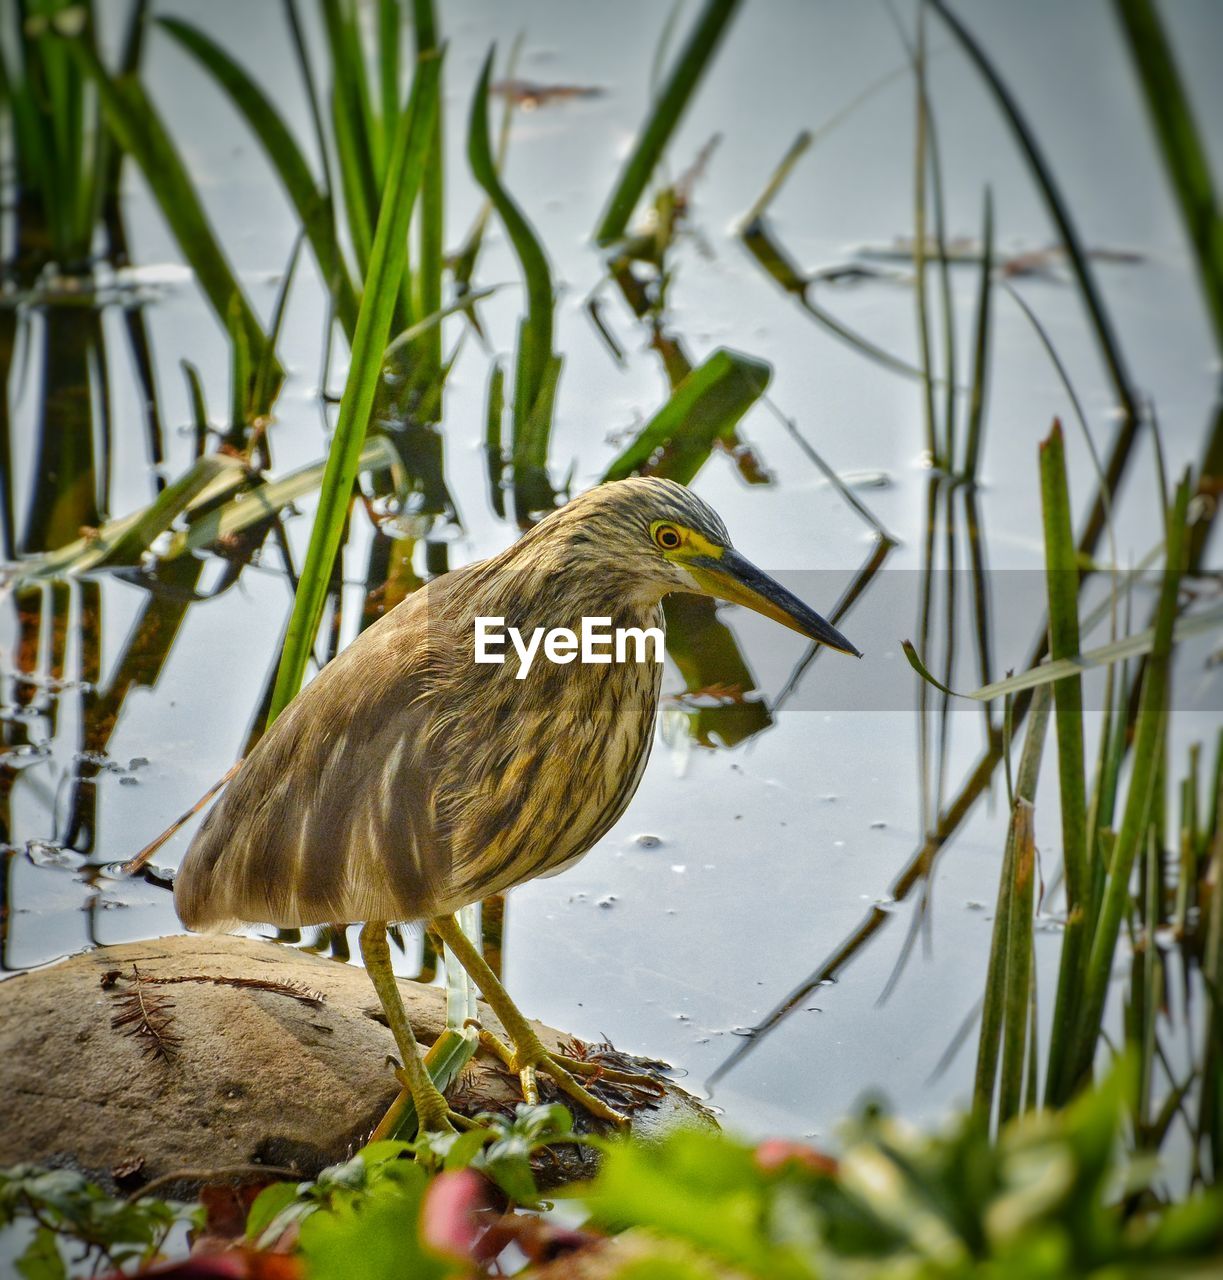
(733, 577)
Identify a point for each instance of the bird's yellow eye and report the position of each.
(668, 537)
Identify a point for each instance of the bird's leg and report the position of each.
(431, 1109)
(529, 1052)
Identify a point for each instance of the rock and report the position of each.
(219, 1055)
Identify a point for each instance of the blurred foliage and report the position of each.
(71, 1217)
(1052, 1196)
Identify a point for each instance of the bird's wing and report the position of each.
(330, 818)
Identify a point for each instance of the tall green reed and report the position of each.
(410, 152)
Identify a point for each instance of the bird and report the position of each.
(407, 780)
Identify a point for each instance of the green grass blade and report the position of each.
(530, 254)
(240, 377)
(493, 452)
(1062, 585)
(312, 203)
(353, 131)
(1149, 734)
(996, 1012)
(797, 149)
(209, 479)
(664, 116)
(1180, 144)
(703, 409)
(759, 240)
(920, 244)
(169, 504)
(390, 21)
(263, 392)
(389, 251)
(427, 278)
(981, 348)
(414, 332)
(537, 368)
(199, 406)
(132, 118)
(1134, 646)
(314, 97)
(1019, 975)
(264, 501)
(1057, 206)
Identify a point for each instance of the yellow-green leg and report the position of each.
(431, 1109)
(529, 1052)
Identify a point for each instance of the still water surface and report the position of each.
(736, 871)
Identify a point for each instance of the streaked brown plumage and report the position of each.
(426, 772)
(407, 780)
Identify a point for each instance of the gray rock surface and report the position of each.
(215, 1058)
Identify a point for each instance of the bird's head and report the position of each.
(663, 538)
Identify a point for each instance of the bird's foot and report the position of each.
(593, 1070)
(529, 1056)
(433, 1113)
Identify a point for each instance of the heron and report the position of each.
(406, 780)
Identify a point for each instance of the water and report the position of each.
(762, 859)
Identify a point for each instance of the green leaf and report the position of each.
(1180, 144)
(493, 454)
(1058, 208)
(169, 504)
(1133, 646)
(537, 367)
(464, 1149)
(135, 122)
(263, 501)
(312, 203)
(199, 406)
(700, 1188)
(389, 254)
(664, 117)
(374, 1154)
(209, 479)
(427, 278)
(704, 408)
(1149, 732)
(1062, 583)
(760, 241)
(269, 1204)
(41, 1259)
(359, 144)
(1012, 935)
(373, 1238)
(981, 346)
